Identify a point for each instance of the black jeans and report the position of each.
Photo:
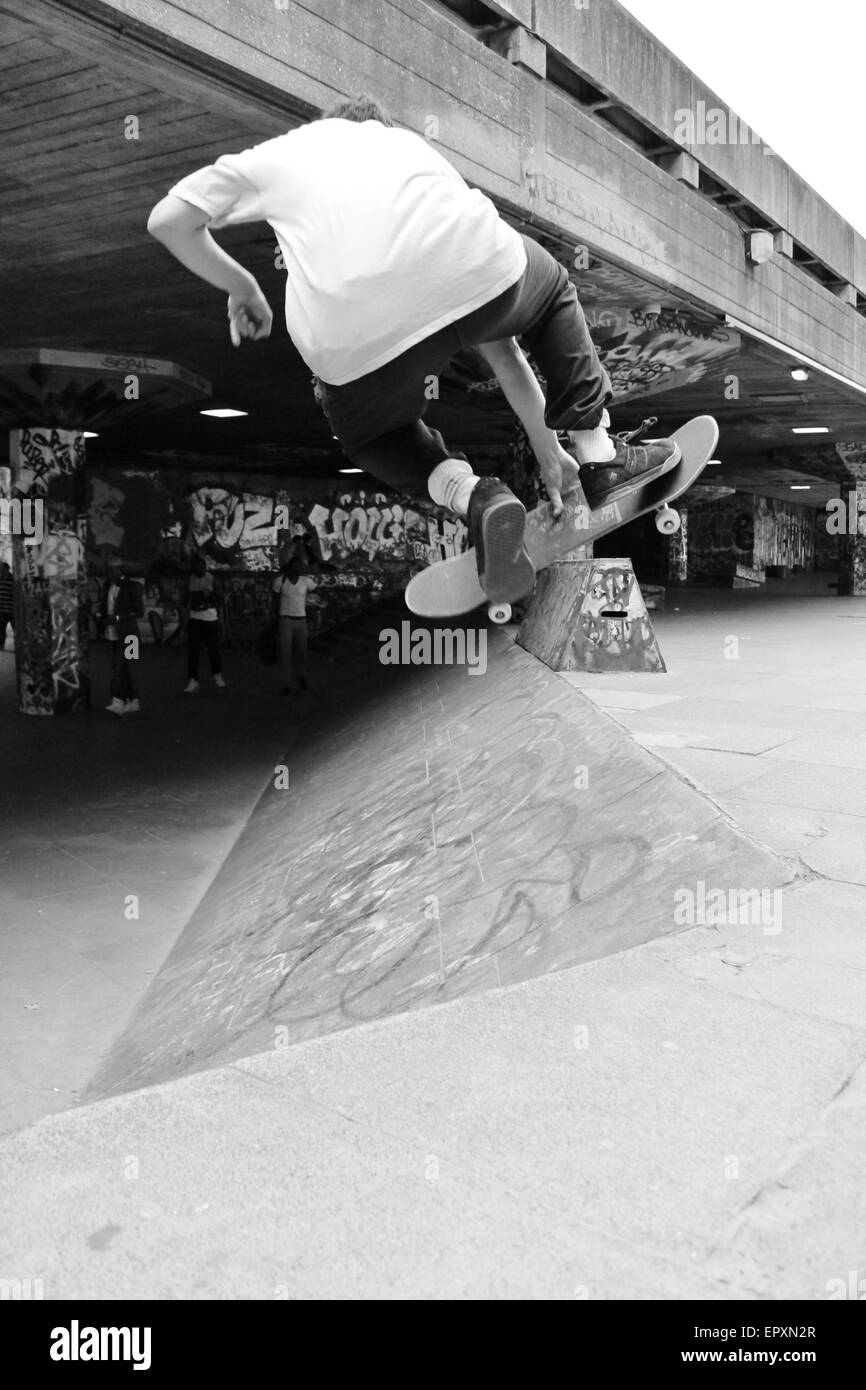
(122, 683)
(202, 632)
(293, 649)
(5, 621)
(378, 419)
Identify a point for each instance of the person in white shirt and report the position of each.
(290, 589)
(395, 265)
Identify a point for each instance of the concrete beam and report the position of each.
(606, 45)
(518, 10)
(496, 121)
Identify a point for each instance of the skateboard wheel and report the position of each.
(499, 612)
(668, 521)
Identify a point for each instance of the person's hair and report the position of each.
(360, 108)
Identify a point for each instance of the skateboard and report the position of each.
(451, 587)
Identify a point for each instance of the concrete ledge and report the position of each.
(620, 1130)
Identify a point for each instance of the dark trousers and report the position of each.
(5, 621)
(378, 419)
(202, 632)
(122, 684)
(293, 649)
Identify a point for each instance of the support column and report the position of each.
(677, 558)
(852, 559)
(48, 511)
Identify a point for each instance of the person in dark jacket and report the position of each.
(122, 606)
(202, 625)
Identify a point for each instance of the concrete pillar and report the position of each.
(51, 620)
(677, 559)
(852, 566)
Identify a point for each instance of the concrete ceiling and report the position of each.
(78, 272)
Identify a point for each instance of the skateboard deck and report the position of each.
(451, 587)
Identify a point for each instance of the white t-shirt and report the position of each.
(383, 241)
(293, 596)
(202, 584)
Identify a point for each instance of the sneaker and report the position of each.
(496, 521)
(132, 707)
(218, 680)
(116, 707)
(191, 687)
(633, 463)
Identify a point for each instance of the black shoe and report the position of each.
(496, 521)
(633, 463)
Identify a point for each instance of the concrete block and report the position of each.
(681, 166)
(589, 615)
(521, 48)
(847, 294)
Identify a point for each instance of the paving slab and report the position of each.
(652, 1111)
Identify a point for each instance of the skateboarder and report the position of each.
(394, 265)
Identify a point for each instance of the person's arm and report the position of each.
(526, 398)
(182, 229)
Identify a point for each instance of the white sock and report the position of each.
(594, 446)
(451, 484)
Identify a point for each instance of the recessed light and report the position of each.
(351, 470)
(812, 429)
(224, 414)
(800, 374)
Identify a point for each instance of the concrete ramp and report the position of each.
(444, 833)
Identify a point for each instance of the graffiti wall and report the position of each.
(746, 529)
(51, 656)
(362, 543)
(645, 353)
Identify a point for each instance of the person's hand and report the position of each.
(560, 472)
(249, 316)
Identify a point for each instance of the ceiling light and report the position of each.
(351, 470)
(224, 414)
(812, 429)
(800, 374)
(90, 434)
(801, 487)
